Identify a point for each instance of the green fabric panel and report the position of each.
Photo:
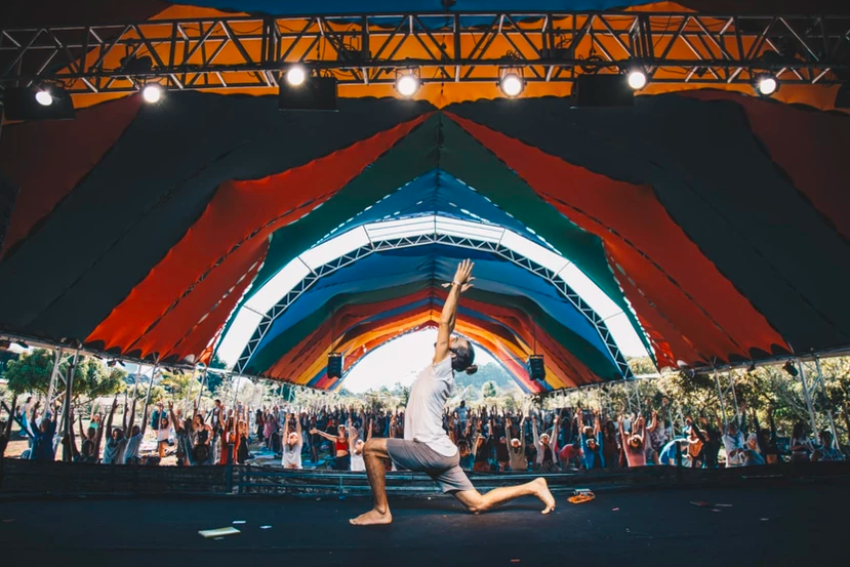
(466, 159)
(413, 156)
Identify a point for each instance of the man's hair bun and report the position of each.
(471, 369)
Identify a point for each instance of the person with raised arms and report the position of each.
(426, 446)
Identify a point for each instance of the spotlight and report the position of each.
(407, 84)
(751, 368)
(22, 344)
(766, 85)
(511, 84)
(111, 363)
(152, 93)
(43, 97)
(296, 75)
(790, 369)
(637, 79)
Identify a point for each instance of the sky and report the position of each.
(399, 361)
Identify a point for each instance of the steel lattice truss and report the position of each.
(421, 240)
(249, 52)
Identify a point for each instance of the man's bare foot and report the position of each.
(544, 495)
(375, 518)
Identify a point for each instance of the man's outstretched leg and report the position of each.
(476, 502)
(374, 454)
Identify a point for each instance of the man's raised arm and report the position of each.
(461, 282)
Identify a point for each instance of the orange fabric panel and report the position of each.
(811, 147)
(239, 212)
(650, 247)
(45, 181)
(201, 338)
(188, 310)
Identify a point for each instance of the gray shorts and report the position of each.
(419, 457)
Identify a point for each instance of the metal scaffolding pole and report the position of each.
(56, 362)
(734, 397)
(829, 415)
(720, 397)
(808, 395)
(68, 422)
(147, 397)
(203, 382)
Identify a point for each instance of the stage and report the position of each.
(778, 525)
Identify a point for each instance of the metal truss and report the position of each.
(421, 240)
(249, 52)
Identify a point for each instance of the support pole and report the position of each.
(56, 361)
(720, 397)
(203, 382)
(236, 390)
(147, 397)
(189, 388)
(829, 415)
(734, 398)
(808, 396)
(69, 423)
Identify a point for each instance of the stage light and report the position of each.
(43, 97)
(766, 85)
(296, 75)
(751, 368)
(790, 369)
(511, 84)
(152, 93)
(407, 84)
(637, 79)
(22, 344)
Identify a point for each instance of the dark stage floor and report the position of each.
(764, 526)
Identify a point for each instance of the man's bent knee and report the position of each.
(375, 448)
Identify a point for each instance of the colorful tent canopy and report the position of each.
(713, 224)
(718, 232)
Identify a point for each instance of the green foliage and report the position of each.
(488, 390)
(487, 373)
(31, 374)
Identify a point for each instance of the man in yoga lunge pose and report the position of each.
(426, 447)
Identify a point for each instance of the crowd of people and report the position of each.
(489, 439)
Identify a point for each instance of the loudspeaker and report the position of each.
(602, 91)
(335, 365)
(315, 93)
(536, 367)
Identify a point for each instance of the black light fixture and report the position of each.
(791, 369)
(751, 368)
(38, 102)
(298, 91)
(22, 344)
(608, 90)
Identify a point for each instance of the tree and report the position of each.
(31, 373)
(488, 390)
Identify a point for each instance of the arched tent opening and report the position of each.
(263, 315)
